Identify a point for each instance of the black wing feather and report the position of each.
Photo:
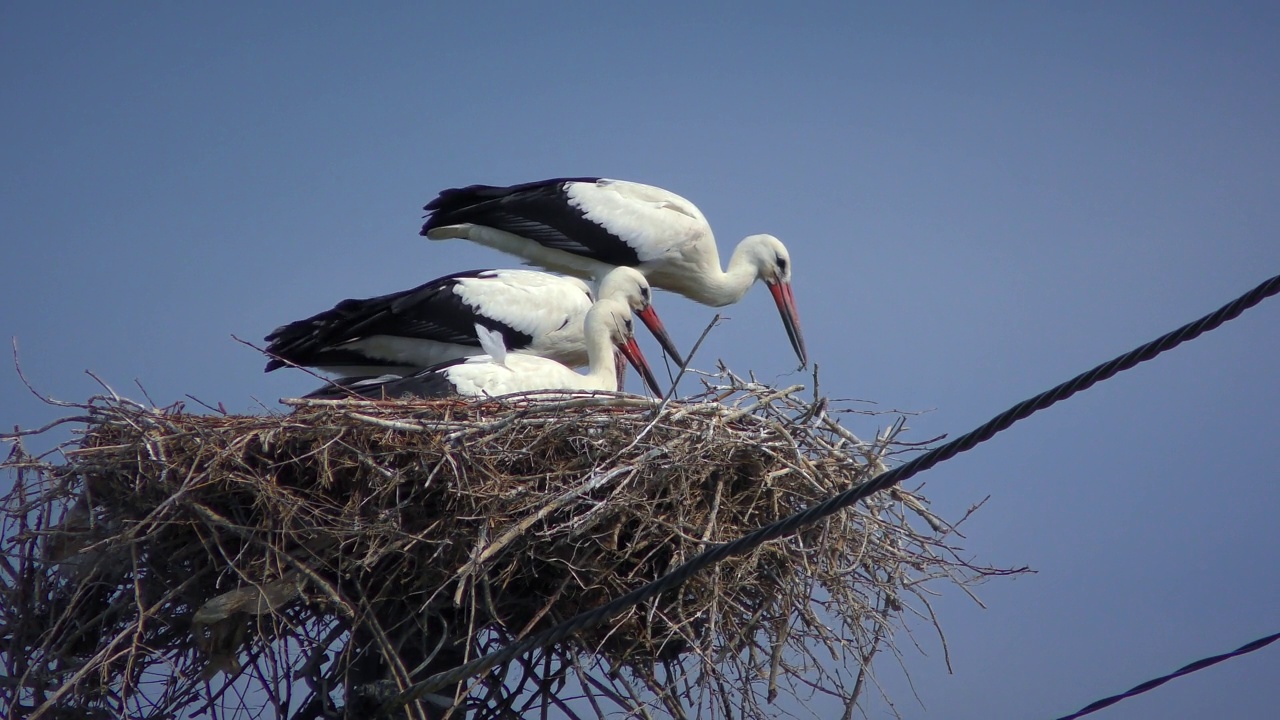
(432, 311)
(539, 211)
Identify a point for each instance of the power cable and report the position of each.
(792, 524)
(1184, 670)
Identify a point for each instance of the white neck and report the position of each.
(602, 373)
(717, 287)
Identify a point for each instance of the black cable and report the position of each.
(790, 525)
(1185, 670)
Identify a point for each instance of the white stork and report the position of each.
(608, 324)
(535, 313)
(587, 226)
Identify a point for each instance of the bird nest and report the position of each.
(313, 563)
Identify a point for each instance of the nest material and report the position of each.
(313, 562)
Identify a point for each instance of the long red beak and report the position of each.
(632, 352)
(790, 317)
(649, 317)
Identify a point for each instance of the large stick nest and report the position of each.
(311, 563)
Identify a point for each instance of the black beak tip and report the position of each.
(675, 356)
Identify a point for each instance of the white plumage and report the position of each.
(587, 226)
(531, 313)
(607, 324)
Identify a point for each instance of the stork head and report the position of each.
(615, 315)
(630, 286)
(773, 266)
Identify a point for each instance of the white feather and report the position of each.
(652, 221)
(480, 376)
(492, 343)
(672, 240)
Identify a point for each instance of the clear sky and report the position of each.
(980, 200)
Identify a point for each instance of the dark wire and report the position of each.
(790, 525)
(1185, 670)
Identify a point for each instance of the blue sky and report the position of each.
(980, 201)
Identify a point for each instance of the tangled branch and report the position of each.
(317, 562)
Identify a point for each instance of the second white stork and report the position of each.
(608, 324)
(587, 226)
(535, 313)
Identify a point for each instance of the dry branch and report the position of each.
(310, 563)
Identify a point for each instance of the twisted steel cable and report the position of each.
(792, 524)
(1184, 670)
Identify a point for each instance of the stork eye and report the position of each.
(782, 264)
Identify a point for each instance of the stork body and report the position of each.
(587, 226)
(607, 324)
(535, 313)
